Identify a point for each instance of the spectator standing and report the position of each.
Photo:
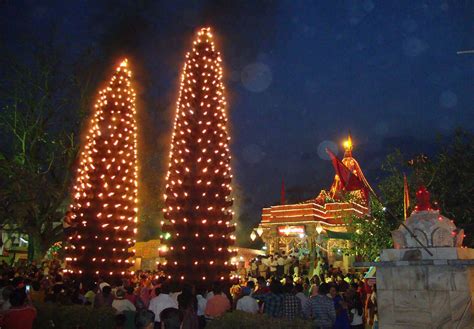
(171, 318)
(218, 304)
(247, 303)
(104, 298)
(161, 301)
(273, 263)
(201, 306)
(321, 309)
(300, 294)
(121, 304)
(291, 305)
(342, 317)
(145, 319)
(187, 304)
(272, 301)
(20, 315)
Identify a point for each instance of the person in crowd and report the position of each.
(104, 298)
(218, 304)
(201, 305)
(145, 319)
(171, 318)
(262, 269)
(20, 315)
(356, 309)
(272, 301)
(130, 295)
(90, 294)
(187, 304)
(36, 293)
(262, 287)
(273, 263)
(254, 268)
(6, 293)
(300, 294)
(281, 265)
(291, 305)
(121, 304)
(247, 303)
(373, 299)
(340, 305)
(320, 308)
(161, 301)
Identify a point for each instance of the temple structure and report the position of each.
(317, 226)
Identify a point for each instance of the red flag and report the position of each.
(406, 197)
(282, 195)
(349, 180)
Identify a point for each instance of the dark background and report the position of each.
(299, 76)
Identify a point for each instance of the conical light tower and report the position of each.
(198, 191)
(104, 207)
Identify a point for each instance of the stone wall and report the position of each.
(431, 292)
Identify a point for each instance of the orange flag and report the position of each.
(406, 197)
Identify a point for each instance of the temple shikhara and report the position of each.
(318, 224)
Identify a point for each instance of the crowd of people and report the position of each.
(295, 263)
(148, 300)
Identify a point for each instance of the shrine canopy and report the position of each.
(329, 207)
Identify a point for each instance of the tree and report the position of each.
(104, 209)
(197, 199)
(39, 105)
(448, 175)
(370, 233)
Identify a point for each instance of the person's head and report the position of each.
(275, 287)
(261, 281)
(314, 290)
(36, 285)
(120, 320)
(333, 290)
(316, 280)
(120, 293)
(165, 289)
(7, 291)
(288, 288)
(171, 318)
(106, 290)
(323, 289)
(251, 285)
(145, 319)
(299, 288)
(18, 298)
(217, 288)
(246, 291)
(130, 290)
(58, 278)
(18, 282)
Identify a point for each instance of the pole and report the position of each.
(403, 224)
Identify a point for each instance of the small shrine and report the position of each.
(318, 224)
(427, 279)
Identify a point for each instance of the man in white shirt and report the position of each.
(161, 301)
(121, 304)
(273, 266)
(247, 303)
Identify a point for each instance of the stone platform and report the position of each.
(417, 290)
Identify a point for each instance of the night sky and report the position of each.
(299, 76)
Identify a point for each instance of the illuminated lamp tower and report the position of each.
(104, 206)
(198, 200)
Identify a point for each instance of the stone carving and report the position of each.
(429, 226)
